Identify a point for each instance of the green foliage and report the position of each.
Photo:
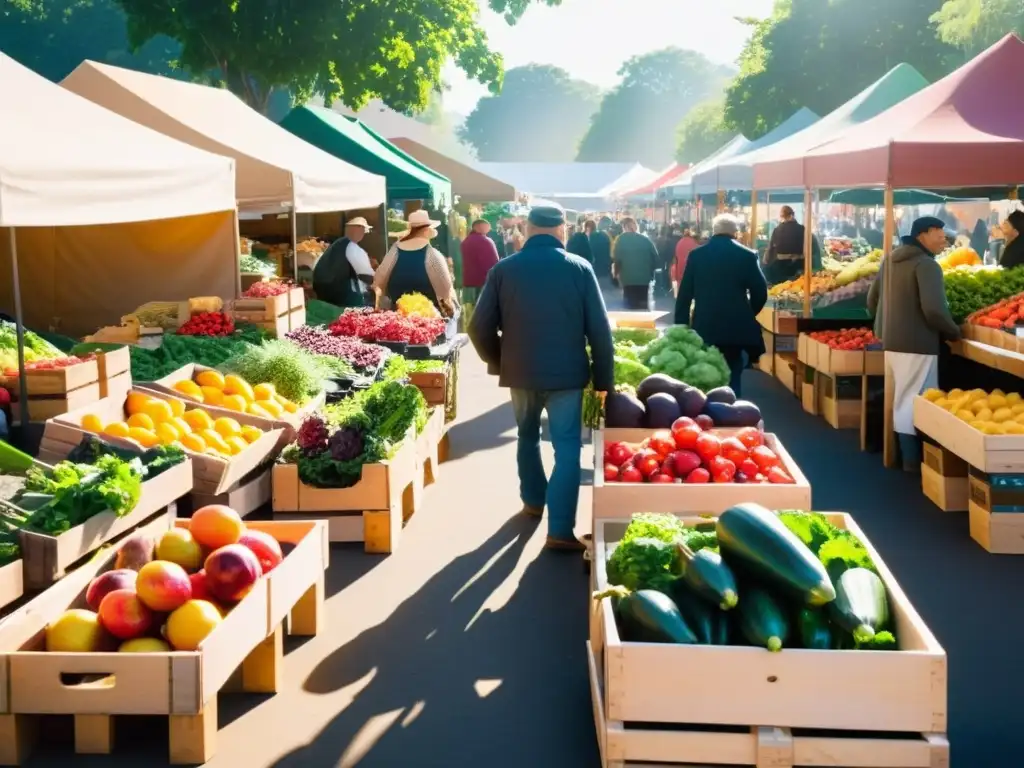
(702, 132)
(637, 118)
(818, 54)
(540, 115)
(973, 25)
(681, 354)
(967, 291)
(345, 50)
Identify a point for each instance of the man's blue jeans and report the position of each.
(565, 422)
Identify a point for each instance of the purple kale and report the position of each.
(346, 444)
(312, 437)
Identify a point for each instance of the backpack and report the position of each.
(333, 274)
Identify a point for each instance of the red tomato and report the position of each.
(648, 462)
(749, 468)
(609, 452)
(681, 423)
(686, 438)
(734, 450)
(618, 454)
(661, 477)
(663, 443)
(779, 476)
(722, 470)
(611, 473)
(708, 446)
(699, 475)
(750, 437)
(764, 456)
(631, 475)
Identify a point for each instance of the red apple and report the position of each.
(611, 473)
(231, 572)
(102, 585)
(124, 615)
(266, 548)
(631, 475)
(199, 588)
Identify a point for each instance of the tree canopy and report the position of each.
(973, 25)
(637, 119)
(817, 54)
(701, 132)
(346, 50)
(540, 115)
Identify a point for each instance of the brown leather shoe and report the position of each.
(565, 545)
(531, 511)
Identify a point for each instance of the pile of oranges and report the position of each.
(235, 394)
(151, 421)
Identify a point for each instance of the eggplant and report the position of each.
(691, 402)
(662, 411)
(742, 413)
(659, 383)
(722, 395)
(622, 410)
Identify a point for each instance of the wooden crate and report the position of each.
(427, 461)
(785, 371)
(944, 462)
(248, 310)
(893, 712)
(949, 494)
(53, 392)
(838, 412)
(46, 557)
(181, 686)
(778, 322)
(245, 498)
(997, 454)
(210, 474)
(613, 500)
(809, 398)
(371, 511)
(296, 318)
(996, 516)
(807, 350)
(12, 582)
(433, 385)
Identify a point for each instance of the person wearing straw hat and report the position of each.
(344, 268)
(413, 265)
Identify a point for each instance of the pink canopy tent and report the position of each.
(650, 188)
(954, 133)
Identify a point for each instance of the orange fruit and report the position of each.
(188, 388)
(167, 433)
(216, 525)
(158, 410)
(227, 427)
(214, 440)
(251, 434)
(182, 425)
(235, 403)
(144, 437)
(177, 407)
(136, 401)
(236, 385)
(272, 407)
(236, 444)
(263, 391)
(198, 419)
(290, 407)
(92, 423)
(212, 395)
(142, 421)
(116, 429)
(212, 379)
(194, 443)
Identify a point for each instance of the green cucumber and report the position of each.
(708, 623)
(708, 576)
(754, 538)
(861, 606)
(815, 630)
(761, 620)
(650, 616)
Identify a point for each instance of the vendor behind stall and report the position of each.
(340, 274)
(912, 326)
(1013, 252)
(784, 259)
(413, 265)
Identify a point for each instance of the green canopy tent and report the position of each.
(349, 139)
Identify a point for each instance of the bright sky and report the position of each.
(591, 38)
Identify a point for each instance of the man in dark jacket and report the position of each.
(538, 311)
(912, 323)
(784, 259)
(725, 281)
(601, 250)
(579, 243)
(634, 259)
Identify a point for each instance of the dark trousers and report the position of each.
(737, 359)
(635, 297)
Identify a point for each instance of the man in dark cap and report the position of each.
(536, 314)
(912, 321)
(784, 259)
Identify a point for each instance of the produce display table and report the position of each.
(893, 711)
(835, 383)
(647, 320)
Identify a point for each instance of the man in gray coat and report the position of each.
(912, 323)
(536, 314)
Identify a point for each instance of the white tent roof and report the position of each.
(274, 168)
(66, 162)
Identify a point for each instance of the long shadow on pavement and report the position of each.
(969, 598)
(444, 686)
(483, 431)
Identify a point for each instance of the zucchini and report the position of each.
(861, 606)
(709, 624)
(708, 576)
(650, 616)
(815, 630)
(761, 620)
(754, 538)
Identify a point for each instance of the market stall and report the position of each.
(278, 176)
(468, 184)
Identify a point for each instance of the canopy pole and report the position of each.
(753, 219)
(238, 255)
(294, 221)
(889, 233)
(19, 329)
(808, 241)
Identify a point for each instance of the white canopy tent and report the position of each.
(102, 210)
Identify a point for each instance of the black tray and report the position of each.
(398, 347)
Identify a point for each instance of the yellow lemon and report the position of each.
(182, 425)
(1001, 414)
(932, 394)
(167, 433)
(1013, 428)
(983, 415)
(193, 443)
(965, 415)
(198, 419)
(212, 379)
(1013, 398)
(251, 434)
(116, 429)
(188, 388)
(92, 423)
(212, 395)
(255, 409)
(144, 437)
(177, 407)
(995, 402)
(998, 392)
(264, 391)
(236, 444)
(941, 402)
(136, 402)
(234, 403)
(158, 410)
(955, 394)
(141, 420)
(214, 440)
(271, 407)
(236, 385)
(291, 407)
(979, 405)
(227, 427)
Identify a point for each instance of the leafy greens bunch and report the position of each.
(681, 353)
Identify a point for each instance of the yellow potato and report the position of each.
(931, 395)
(979, 405)
(996, 402)
(999, 415)
(955, 394)
(984, 415)
(1013, 398)
(965, 415)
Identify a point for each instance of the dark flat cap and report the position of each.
(926, 223)
(547, 216)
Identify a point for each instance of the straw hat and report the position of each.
(359, 221)
(415, 220)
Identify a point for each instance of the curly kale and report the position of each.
(346, 444)
(643, 563)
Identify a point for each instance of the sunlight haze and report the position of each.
(591, 38)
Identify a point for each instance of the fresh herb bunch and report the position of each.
(176, 351)
(295, 373)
